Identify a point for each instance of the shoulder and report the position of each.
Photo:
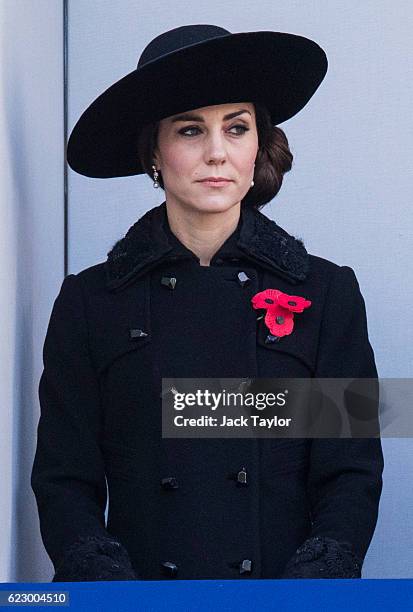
(331, 274)
(79, 290)
(333, 286)
(338, 291)
(92, 279)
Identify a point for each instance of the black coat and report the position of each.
(179, 508)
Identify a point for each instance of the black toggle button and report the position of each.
(137, 333)
(169, 568)
(242, 477)
(244, 384)
(169, 483)
(245, 566)
(165, 392)
(168, 281)
(243, 278)
(270, 339)
(239, 477)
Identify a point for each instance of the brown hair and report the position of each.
(273, 160)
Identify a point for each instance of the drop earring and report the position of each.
(155, 177)
(252, 183)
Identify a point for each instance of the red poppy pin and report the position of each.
(280, 308)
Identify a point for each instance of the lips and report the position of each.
(215, 183)
(215, 179)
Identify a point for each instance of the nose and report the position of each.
(215, 151)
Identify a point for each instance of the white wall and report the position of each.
(7, 326)
(31, 257)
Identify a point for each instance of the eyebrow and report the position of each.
(193, 117)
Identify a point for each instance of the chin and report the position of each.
(214, 203)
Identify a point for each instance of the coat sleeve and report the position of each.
(68, 477)
(345, 474)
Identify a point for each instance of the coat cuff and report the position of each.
(92, 558)
(323, 557)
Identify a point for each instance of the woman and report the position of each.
(179, 297)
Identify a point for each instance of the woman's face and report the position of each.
(212, 141)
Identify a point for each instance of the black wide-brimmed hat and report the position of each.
(187, 68)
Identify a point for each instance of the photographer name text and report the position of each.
(242, 421)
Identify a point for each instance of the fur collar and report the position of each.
(258, 238)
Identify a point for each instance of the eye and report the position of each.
(184, 131)
(242, 127)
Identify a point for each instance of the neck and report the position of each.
(203, 232)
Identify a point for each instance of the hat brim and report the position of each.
(278, 69)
